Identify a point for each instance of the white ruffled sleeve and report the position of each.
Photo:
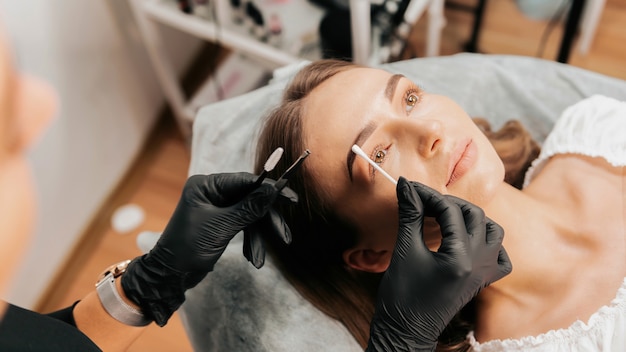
(603, 332)
(594, 127)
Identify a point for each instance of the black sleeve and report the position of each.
(24, 330)
(65, 315)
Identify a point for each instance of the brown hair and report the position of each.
(514, 145)
(313, 262)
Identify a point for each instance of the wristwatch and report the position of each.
(113, 302)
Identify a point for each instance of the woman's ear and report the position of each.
(370, 260)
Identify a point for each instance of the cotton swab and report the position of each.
(269, 165)
(358, 151)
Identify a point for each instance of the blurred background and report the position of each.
(131, 75)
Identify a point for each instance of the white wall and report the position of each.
(88, 51)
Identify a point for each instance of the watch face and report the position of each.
(120, 268)
(115, 269)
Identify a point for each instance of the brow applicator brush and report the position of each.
(282, 180)
(269, 165)
(358, 151)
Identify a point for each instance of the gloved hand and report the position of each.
(211, 211)
(422, 291)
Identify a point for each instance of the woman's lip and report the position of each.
(462, 160)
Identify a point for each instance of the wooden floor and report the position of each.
(507, 31)
(155, 182)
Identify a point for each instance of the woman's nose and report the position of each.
(426, 134)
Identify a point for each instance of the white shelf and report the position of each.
(300, 23)
(299, 41)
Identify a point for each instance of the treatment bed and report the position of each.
(239, 308)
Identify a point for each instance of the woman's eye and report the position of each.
(379, 156)
(411, 101)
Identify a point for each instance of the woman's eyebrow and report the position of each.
(392, 83)
(360, 138)
(390, 90)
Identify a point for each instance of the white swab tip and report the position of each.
(271, 162)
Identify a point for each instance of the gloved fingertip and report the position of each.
(403, 189)
(275, 224)
(504, 262)
(253, 248)
(287, 235)
(402, 183)
(159, 317)
(236, 182)
(495, 232)
(424, 191)
(406, 194)
(258, 260)
(255, 259)
(247, 252)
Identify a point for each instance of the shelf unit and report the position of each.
(300, 20)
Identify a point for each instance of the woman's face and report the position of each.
(26, 106)
(424, 137)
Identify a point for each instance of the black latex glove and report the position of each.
(211, 211)
(422, 291)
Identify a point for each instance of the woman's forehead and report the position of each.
(345, 91)
(357, 75)
(332, 115)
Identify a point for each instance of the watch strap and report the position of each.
(115, 305)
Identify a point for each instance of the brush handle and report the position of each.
(260, 179)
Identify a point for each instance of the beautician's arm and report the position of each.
(422, 291)
(101, 328)
(211, 211)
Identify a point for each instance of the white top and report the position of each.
(594, 127)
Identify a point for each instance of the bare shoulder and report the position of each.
(585, 188)
(580, 169)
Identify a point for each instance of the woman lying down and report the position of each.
(565, 229)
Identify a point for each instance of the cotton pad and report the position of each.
(127, 218)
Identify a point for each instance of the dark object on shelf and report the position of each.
(255, 14)
(336, 35)
(185, 6)
(257, 21)
(333, 5)
(238, 11)
(335, 27)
